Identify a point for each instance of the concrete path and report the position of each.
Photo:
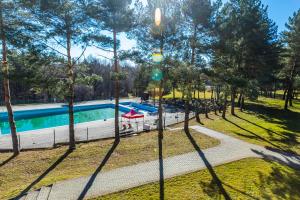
(230, 149)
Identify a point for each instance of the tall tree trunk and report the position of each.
(212, 93)
(224, 106)
(161, 84)
(233, 91)
(173, 92)
(290, 87)
(160, 111)
(198, 94)
(7, 97)
(206, 109)
(291, 98)
(198, 116)
(284, 94)
(242, 103)
(117, 88)
(218, 93)
(71, 94)
(186, 114)
(240, 99)
(188, 97)
(215, 106)
(154, 95)
(275, 89)
(287, 98)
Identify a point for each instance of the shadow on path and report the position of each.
(53, 166)
(161, 168)
(7, 160)
(97, 171)
(209, 167)
(287, 161)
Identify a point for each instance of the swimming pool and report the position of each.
(47, 118)
(143, 108)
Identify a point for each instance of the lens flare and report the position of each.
(157, 57)
(157, 17)
(156, 75)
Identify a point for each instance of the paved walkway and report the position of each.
(230, 149)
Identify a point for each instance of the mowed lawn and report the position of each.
(250, 178)
(178, 95)
(264, 122)
(33, 169)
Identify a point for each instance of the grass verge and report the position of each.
(33, 169)
(245, 179)
(264, 122)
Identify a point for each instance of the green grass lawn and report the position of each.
(245, 179)
(178, 95)
(264, 122)
(44, 167)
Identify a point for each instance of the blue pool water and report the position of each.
(48, 121)
(53, 117)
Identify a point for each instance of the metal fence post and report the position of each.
(54, 137)
(87, 133)
(19, 142)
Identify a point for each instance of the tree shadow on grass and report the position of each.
(52, 167)
(98, 170)
(212, 190)
(287, 138)
(8, 160)
(266, 129)
(288, 119)
(258, 137)
(282, 182)
(216, 179)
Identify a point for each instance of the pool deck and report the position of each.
(59, 105)
(100, 129)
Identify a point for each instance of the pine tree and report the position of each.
(247, 45)
(114, 16)
(65, 25)
(292, 40)
(15, 30)
(197, 15)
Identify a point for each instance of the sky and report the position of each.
(279, 11)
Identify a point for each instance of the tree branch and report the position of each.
(59, 43)
(103, 49)
(82, 53)
(54, 49)
(105, 57)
